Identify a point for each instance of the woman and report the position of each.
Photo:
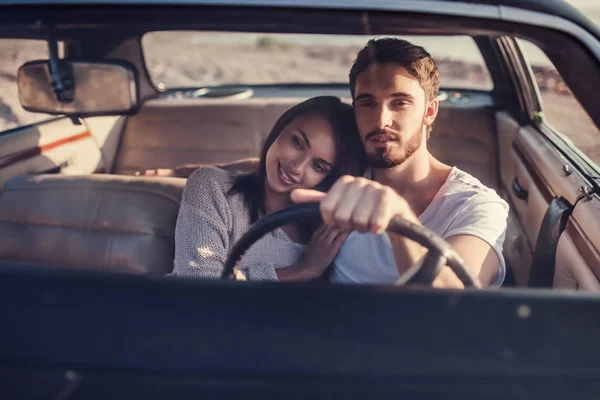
(311, 145)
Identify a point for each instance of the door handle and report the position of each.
(519, 191)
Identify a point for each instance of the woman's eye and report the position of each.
(319, 168)
(296, 142)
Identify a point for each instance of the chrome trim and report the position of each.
(586, 192)
(538, 94)
(534, 18)
(422, 6)
(503, 13)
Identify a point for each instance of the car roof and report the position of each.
(559, 8)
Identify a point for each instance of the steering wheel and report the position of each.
(439, 253)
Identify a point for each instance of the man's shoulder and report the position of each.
(465, 186)
(462, 195)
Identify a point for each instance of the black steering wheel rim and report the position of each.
(439, 254)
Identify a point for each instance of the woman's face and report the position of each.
(302, 156)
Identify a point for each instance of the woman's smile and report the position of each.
(284, 176)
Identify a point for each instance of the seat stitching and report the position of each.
(119, 268)
(95, 228)
(9, 189)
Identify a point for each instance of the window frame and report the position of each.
(542, 122)
(529, 93)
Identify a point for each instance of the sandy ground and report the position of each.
(201, 63)
(567, 116)
(12, 55)
(270, 61)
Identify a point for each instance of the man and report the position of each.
(394, 86)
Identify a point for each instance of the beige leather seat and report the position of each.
(105, 222)
(166, 133)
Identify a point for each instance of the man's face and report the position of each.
(391, 112)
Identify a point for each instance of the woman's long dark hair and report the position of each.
(349, 151)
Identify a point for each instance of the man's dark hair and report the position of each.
(414, 59)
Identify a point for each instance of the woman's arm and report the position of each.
(203, 226)
(183, 171)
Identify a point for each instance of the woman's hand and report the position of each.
(244, 166)
(321, 250)
(319, 254)
(181, 171)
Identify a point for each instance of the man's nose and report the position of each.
(384, 117)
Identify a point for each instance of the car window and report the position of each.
(14, 53)
(192, 59)
(560, 108)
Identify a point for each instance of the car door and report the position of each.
(547, 176)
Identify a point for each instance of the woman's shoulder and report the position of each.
(209, 178)
(207, 182)
(208, 189)
(211, 175)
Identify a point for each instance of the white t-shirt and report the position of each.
(463, 206)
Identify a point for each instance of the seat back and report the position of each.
(106, 222)
(166, 133)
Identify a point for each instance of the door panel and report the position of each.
(532, 175)
(523, 223)
(530, 209)
(529, 160)
(549, 162)
(578, 255)
(517, 250)
(56, 146)
(537, 167)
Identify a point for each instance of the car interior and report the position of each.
(85, 243)
(70, 197)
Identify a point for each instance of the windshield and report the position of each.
(194, 59)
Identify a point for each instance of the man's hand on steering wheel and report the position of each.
(358, 204)
(367, 206)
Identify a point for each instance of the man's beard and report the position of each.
(390, 158)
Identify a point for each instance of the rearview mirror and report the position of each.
(87, 88)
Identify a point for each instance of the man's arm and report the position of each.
(479, 257)
(367, 206)
(183, 171)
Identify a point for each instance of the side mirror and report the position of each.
(88, 88)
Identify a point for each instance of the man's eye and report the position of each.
(367, 103)
(401, 103)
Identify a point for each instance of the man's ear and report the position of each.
(431, 112)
